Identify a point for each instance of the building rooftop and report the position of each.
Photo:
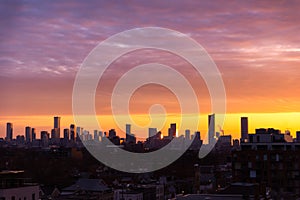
(95, 185)
(209, 197)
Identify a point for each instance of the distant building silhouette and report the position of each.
(128, 128)
(211, 128)
(100, 133)
(244, 129)
(187, 134)
(96, 135)
(28, 135)
(66, 134)
(57, 127)
(56, 122)
(112, 133)
(152, 132)
(298, 136)
(130, 138)
(172, 131)
(72, 132)
(9, 131)
(79, 132)
(197, 135)
(44, 138)
(33, 134)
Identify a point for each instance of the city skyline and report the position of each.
(170, 131)
(255, 46)
(144, 100)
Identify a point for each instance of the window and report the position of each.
(265, 157)
(33, 196)
(252, 174)
(249, 164)
(277, 157)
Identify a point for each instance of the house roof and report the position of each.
(95, 185)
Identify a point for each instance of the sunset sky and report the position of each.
(255, 44)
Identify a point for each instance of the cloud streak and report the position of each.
(255, 44)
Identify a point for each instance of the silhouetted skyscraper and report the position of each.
(56, 122)
(79, 132)
(96, 135)
(28, 135)
(197, 135)
(66, 134)
(9, 131)
(298, 136)
(152, 132)
(72, 132)
(52, 133)
(244, 128)
(187, 134)
(128, 129)
(57, 127)
(172, 131)
(44, 138)
(211, 128)
(112, 133)
(130, 138)
(100, 133)
(33, 134)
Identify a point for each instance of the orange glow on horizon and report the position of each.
(282, 121)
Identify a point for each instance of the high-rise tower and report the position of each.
(244, 128)
(9, 131)
(211, 128)
(28, 135)
(57, 127)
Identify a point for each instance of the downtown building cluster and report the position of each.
(262, 164)
(73, 136)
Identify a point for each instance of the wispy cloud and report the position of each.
(255, 44)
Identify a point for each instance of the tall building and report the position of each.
(128, 129)
(187, 134)
(79, 132)
(271, 164)
(28, 135)
(57, 127)
(66, 134)
(96, 135)
(152, 132)
(33, 134)
(72, 132)
(100, 133)
(244, 129)
(130, 138)
(298, 136)
(9, 131)
(197, 135)
(44, 136)
(112, 133)
(56, 122)
(211, 128)
(172, 131)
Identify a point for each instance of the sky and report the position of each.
(255, 44)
